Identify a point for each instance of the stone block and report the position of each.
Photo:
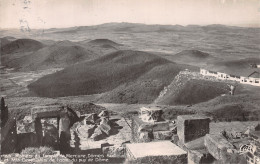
(191, 127)
(104, 126)
(162, 135)
(97, 135)
(161, 126)
(144, 137)
(155, 152)
(115, 151)
(218, 146)
(157, 126)
(175, 139)
(104, 113)
(85, 131)
(199, 157)
(138, 127)
(151, 114)
(90, 118)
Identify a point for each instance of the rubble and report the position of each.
(144, 137)
(90, 118)
(115, 151)
(93, 126)
(25, 125)
(104, 113)
(97, 135)
(150, 126)
(162, 135)
(85, 131)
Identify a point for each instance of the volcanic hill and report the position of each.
(136, 76)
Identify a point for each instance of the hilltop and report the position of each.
(193, 57)
(20, 46)
(6, 40)
(103, 46)
(102, 42)
(34, 55)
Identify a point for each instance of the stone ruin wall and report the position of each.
(143, 131)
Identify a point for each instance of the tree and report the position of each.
(4, 112)
(2, 104)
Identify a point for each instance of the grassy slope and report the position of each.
(184, 89)
(196, 91)
(146, 88)
(244, 106)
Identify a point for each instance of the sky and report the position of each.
(68, 13)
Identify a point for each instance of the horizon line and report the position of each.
(228, 25)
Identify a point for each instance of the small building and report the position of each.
(234, 78)
(252, 79)
(213, 73)
(222, 75)
(205, 72)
